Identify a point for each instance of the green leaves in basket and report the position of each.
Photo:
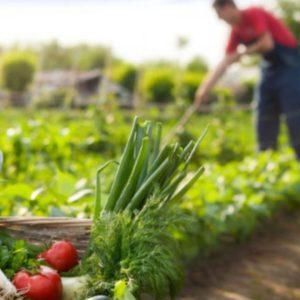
(16, 254)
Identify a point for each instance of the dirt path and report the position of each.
(267, 268)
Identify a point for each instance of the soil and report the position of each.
(266, 268)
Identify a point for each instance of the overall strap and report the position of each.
(282, 56)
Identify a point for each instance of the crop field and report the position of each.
(147, 227)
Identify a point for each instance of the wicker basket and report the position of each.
(45, 230)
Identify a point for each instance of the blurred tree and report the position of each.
(125, 75)
(290, 12)
(197, 64)
(190, 84)
(246, 96)
(88, 57)
(79, 57)
(17, 73)
(59, 98)
(160, 64)
(55, 56)
(158, 85)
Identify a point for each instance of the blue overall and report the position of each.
(278, 94)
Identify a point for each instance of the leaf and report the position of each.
(1, 160)
(122, 292)
(80, 195)
(18, 189)
(64, 184)
(36, 193)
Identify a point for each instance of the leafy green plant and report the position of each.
(60, 98)
(17, 71)
(197, 65)
(190, 83)
(16, 254)
(140, 251)
(290, 10)
(48, 170)
(125, 75)
(158, 85)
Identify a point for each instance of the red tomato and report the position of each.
(46, 285)
(62, 256)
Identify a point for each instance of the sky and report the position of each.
(136, 30)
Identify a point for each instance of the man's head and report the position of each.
(227, 10)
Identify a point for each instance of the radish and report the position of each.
(62, 256)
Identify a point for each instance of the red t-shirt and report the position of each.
(255, 22)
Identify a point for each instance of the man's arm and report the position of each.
(264, 44)
(211, 80)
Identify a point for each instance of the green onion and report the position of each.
(97, 208)
(133, 179)
(196, 146)
(171, 188)
(147, 171)
(124, 169)
(157, 141)
(190, 183)
(144, 189)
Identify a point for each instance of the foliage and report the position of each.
(290, 11)
(17, 71)
(247, 94)
(16, 254)
(197, 65)
(160, 64)
(158, 85)
(49, 168)
(53, 56)
(125, 75)
(60, 98)
(190, 83)
(88, 57)
(224, 97)
(246, 194)
(141, 252)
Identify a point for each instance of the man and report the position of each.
(279, 88)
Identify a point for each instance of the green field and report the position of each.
(50, 159)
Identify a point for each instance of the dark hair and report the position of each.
(222, 3)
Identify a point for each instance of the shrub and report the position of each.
(17, 71)
(158, 85)
(90, 57)
(290, 12)
(125, 75)
(54, 56)
(197, 64)
(248, 91)
(190, 84)
(59, 98)
(223, 98)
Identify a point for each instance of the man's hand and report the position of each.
(234, 57)
(204, 90)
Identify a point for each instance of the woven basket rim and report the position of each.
(40, 221)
